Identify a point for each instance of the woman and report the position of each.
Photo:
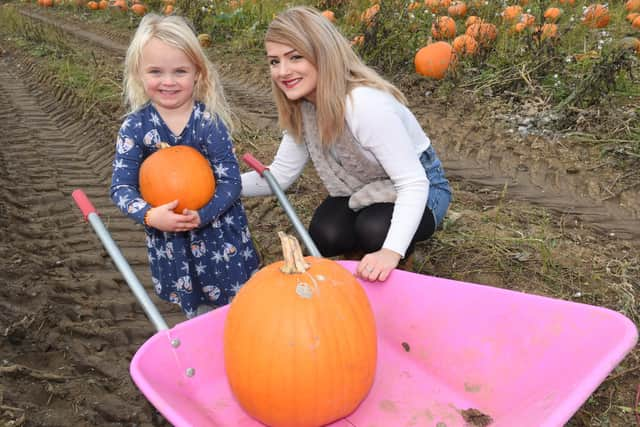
(386, 186)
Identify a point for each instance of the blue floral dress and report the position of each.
(207, 265)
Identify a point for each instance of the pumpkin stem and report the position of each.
(292, 253)
(162, 145)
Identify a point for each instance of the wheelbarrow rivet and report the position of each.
(191, 372)
(175, 343)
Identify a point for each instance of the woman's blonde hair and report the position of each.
(339, 69)
(177, 32)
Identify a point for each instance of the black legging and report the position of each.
(337, 230)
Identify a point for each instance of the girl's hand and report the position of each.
(195, 217)
(165, 219)
(378, 265)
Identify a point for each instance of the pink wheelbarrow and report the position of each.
(450, 353)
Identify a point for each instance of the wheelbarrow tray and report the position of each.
(446, 350)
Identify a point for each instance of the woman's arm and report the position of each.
(389, 133)
(286, 167)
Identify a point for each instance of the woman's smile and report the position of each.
(294, 74)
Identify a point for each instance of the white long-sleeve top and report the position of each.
(387, 133)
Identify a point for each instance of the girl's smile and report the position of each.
(168, 76)
(295, 75)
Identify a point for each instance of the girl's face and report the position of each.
(168, 76)
(292, 73)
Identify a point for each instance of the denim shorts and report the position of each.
(439, 189)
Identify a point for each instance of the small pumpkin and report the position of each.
(548, 31)
(176, 173)
(444, 27)
(204, 39)
(329, 15)
(370, 13)
(552, 14)
(432, 5)
(139, 9)
(290, 340)
(414, 5)
(465, 45)
(473, 19)
(596, 16)
(485, 33)
(511, 13)
(434, 60)
(458, 8)
(632, 6)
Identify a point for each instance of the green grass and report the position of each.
(82, 74)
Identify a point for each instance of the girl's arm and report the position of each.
(219, 151)
(287, 166)
(124, 188)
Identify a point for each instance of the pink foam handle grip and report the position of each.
(83, 203)
(254, 163)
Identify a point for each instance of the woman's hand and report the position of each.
(378, 265)
(165, 219)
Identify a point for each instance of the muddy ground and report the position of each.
(536, 212)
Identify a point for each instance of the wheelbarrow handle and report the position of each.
(83, 202)
(91, 215)
(284, 202)
(254, 163)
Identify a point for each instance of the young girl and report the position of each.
(199, 259)
(387, 189)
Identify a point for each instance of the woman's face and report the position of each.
(296, 76)
(168, 75)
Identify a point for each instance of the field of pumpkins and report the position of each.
(562, 47)
(534, 106)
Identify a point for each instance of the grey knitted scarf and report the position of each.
(353, 174)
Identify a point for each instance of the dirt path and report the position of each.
(72, 325)
(48, 154)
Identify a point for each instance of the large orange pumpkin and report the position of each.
(177, 173)
(434, 60)
(300, 346)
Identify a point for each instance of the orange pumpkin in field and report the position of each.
(434, 60)
(300, 341)
(444, 27)
(596, 16)
(177, 173)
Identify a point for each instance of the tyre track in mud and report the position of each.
(528, 169)
(66, 311)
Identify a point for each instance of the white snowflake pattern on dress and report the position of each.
(174, 298)
(124, 145)
(152, 138)
(183, 284)
(212, 292)
(156, 285)
(198, 248)
(136, 205)
(229, 251)
(169, 250)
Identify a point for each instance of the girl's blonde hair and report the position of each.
(339, 69)
(176, 32)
